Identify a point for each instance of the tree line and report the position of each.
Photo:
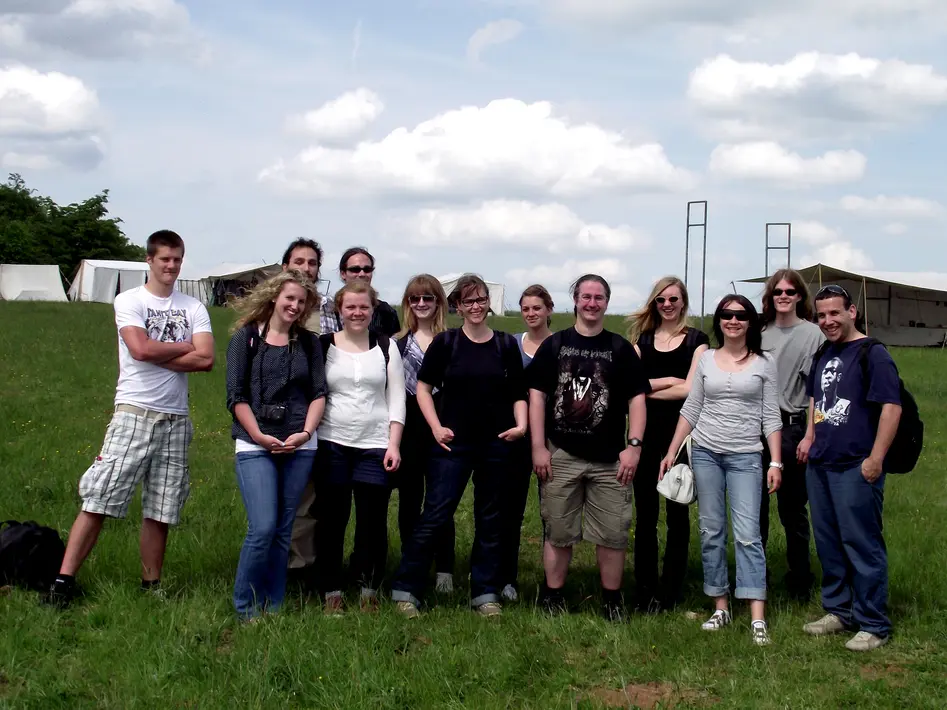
(36, 230)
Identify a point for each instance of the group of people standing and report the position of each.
(337, 401)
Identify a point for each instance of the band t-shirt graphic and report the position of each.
(174, 319)
(588, 383)
(846, 411)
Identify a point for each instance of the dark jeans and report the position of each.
(791, 499)
(667, 590)
(416, 449)
(847, 521)
(514, 510)
(333, 509)
(490, 463)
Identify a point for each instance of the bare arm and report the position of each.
(774, 476)
(521, 414)
(244, 415)
(537, 434)
(681, 388)
(802, 451)
(629, 458)
(144, 349)
(426, 404)
(200, 360)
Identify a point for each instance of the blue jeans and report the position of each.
(737, 477)
(492, 465)
(271, 486)
(846, 519)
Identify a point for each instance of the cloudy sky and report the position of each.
(528, 140)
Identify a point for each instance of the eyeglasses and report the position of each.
(670, 299)
(787, 291)
(741, 316)
(833, 289)
(423, 298)
(359, 269)
(469, 302)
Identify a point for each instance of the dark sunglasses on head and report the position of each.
(741, 316)
(359, 269)
(670, 299)
(834, 290)
(787, 291)
(423, 298)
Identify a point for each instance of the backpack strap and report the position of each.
(691, 338)
(403, 344)
(325, 340)
(384, 343)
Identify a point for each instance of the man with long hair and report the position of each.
(357, 264)
(790, 336)
(163, 334)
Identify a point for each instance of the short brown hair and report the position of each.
(466, 284)
(163, 238)
(357, 287)
(803, 307)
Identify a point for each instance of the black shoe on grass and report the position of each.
(62, 592)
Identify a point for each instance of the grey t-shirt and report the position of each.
(793, 348)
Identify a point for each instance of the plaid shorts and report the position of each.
(140, 446)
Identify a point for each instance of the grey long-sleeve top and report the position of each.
(727, 410)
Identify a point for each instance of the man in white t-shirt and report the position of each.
(162, 335)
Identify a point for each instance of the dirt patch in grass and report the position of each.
(225, 644)
(891, 673)
(650, 696)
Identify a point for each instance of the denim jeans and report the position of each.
(491, 464)
(271, 486)
(736, 477)
(847, 521)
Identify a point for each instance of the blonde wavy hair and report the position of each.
(422, 285)
(647, 317)
(257, 306)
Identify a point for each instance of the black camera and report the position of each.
(274, 413)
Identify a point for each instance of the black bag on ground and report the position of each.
(30, 554)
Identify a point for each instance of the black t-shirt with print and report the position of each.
(588, 383)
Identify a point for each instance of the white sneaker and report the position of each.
(864, 641)
(828, 624)
(720, 618)
(408, 610)
(489, 609)
(444, 583)
(509, 593)
(760, 633)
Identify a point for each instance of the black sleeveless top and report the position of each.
(663, 414)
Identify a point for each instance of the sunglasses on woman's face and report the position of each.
(423, 298)
(470, 302)
(741, 316)
(359, 269)
(787, 291)
(670, 299)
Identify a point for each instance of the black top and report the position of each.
(261, 374)
(663, 413)
(479, 383)
(588, 383)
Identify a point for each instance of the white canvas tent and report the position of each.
(496, 291)
(31, 282)
(900, 308)
(100, 280)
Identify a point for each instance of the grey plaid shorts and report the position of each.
(140, 446)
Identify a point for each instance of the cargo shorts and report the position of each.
(141, 446)
(583, 500)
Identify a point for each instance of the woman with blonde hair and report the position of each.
(424, 309)
(669, 350)
(361, 442)
(276, 393)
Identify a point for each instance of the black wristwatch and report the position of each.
(634, 442)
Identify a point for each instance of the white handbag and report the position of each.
(678, 482)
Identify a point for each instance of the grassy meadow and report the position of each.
(119, 649)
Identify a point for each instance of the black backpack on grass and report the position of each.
(30, 554)
(905, 450)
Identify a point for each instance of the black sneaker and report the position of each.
(61, 593)
(553, 602)
(613, 612)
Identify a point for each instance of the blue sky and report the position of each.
(527, 141)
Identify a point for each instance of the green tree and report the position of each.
(36, 230)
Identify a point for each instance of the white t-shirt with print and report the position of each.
(174, 319)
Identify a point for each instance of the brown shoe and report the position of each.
(368, 604)
(333, 605)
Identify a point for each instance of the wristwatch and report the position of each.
(774, 464)
(634, 442)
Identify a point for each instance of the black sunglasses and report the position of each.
(359, 269)
(833, 289)
(741, 316)
(787, 291)
(423, 298)
(661, 299)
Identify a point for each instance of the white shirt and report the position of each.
(174, 319)
(358, 408)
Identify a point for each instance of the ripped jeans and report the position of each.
(737, 477)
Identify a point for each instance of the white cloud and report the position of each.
(522, 224)
(813, 93)
(559, 277)
(339, 119)
(47, 119)
(814, 233)
(492, 33)
(97, 28)
(504, 149)
(842, 255)
(902, 206)
(769, 161)
(896, 229)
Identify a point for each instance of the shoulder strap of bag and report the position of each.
(383, 343)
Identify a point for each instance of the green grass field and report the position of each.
(118, 649)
